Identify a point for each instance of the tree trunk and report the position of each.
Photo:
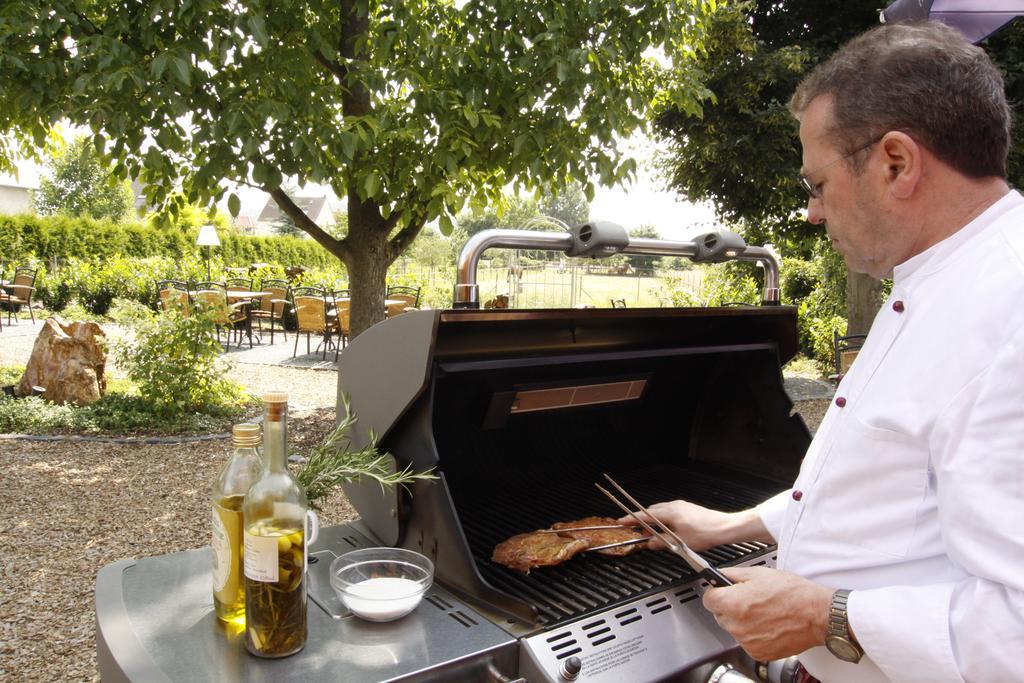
(863, 299)
(367, 276)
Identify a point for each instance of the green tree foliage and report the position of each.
(431, 250)
(568, 204)
(742, 153)
(511, 212)
(79, 182)
(408, 109)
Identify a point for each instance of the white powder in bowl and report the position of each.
(382, 599)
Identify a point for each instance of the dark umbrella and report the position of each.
(976, 19)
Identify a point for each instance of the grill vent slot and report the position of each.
(686, 596)
(569, 653)
(563, 645)
(559, 636)
(462, 618)
(439, 602)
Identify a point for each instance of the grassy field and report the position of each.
(552, 287)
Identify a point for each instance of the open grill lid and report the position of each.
(518, 412)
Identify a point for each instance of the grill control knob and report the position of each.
(570, 669)
(726, 674)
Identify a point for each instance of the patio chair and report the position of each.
(174, 294)
(846, 350)
(242, 283)
(342, 318)
(409, 296)
(618, 303)
(213, 297)
(19, 293)
(271, 305)
(310, 306)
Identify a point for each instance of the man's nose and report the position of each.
(815, 215)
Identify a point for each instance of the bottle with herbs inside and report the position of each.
(275, 512)
(239, 473)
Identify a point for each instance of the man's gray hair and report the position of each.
(924, 79)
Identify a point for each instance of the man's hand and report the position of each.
(772, 614)
(702, 528)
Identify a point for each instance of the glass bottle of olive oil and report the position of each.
(240, 472)
(274, 515)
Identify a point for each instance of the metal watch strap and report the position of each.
(838, 620)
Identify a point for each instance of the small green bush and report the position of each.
(798, 279)
(175, 362)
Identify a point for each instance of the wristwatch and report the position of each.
(838, 639)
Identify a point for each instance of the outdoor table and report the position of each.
(155, 623)
(235, 295)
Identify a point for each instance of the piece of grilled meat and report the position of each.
(599, 537)
(528, 551)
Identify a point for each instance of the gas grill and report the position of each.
(519, 413)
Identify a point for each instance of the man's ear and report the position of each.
(901, 156)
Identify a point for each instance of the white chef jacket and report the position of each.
(912, 492)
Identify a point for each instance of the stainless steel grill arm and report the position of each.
(467, 293)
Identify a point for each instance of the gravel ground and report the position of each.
(71, 508)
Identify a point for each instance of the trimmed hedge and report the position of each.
(24, 236)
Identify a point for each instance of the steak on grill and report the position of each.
(599, 537)
(524, 552)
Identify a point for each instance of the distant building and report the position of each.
(317, 208)
(244, 225)
(142, 205)
(14, 198)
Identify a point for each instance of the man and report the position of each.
(901, 543)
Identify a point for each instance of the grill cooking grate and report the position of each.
(591, 582)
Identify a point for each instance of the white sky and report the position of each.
(644, 202)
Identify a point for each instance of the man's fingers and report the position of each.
(741, 574)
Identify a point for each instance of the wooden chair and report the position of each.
(19, 293)
(213, 297)
(174, 294)
(271, 306)
(409, 296)
(310, 306)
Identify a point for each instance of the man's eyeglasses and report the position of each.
(813, 190)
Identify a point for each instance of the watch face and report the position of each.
(843, 649)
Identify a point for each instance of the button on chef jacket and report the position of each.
(913, 489)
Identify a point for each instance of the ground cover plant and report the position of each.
(176, 383)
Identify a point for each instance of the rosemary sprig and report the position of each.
(334, 461)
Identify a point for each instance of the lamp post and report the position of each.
(208, 238)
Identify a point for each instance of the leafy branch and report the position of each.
(335, 461)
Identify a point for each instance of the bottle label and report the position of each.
(221, 553)
(260, 558)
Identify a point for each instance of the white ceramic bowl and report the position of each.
(381, 584)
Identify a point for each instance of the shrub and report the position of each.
(798, 279)
(175, 362)
(23, 236)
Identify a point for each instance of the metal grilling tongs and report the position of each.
(668, 537)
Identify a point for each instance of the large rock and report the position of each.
(68, 360)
